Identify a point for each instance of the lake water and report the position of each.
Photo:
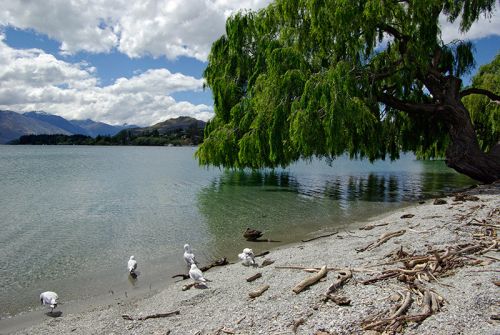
(71, 216)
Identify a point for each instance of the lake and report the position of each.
(71, 216)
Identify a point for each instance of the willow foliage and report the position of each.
(304, 78)
(485, 113)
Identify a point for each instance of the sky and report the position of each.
(131, 62)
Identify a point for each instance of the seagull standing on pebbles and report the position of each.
(247, 257)
(189, 256)
(196, 275)
(132, 266)
(49, 298)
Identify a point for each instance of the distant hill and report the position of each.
(57, 121)
(170, 126)
(95, 129)
(13, 125)
(183, 130)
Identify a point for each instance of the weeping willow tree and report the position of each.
(371, 78)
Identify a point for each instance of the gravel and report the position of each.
(223, 307)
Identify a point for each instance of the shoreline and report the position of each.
(224, 306)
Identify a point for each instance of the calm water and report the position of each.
(70, 216)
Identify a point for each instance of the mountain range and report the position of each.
(13, 125)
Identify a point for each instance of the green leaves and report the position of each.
(485, 114)
(304, 78)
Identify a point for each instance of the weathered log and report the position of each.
(258, 292)
(254, 277)
(310, 280)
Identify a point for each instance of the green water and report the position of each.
(71, 216)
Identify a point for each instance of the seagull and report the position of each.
(252, 234)
(49, 298)
(247, 257)
(189, 256)
(132, 266)
(196, 275)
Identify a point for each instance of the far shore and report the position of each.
(453, 244)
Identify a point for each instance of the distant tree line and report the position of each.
(177, 137)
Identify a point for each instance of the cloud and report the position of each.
(484, 27)
(170, 28)
(34, 80)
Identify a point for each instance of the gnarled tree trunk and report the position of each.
(463, 153)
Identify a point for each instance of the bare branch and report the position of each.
(474, 90)
(409, 107)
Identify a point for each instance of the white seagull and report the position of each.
(132, 266)
(49, 298)
(196, 275)
(189, 256)
(247, 257)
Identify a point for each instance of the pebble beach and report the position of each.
(463, 278)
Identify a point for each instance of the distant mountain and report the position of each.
(181, 123)
(57, 121)
(95, 129)
(13, 125)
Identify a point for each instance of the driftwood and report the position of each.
(188, 286)
(258, 292)
(300, 321)
(307, 269)
(262, 254)
(371, 226)
(152, 316)
(318, 237)
(339, 300)
(381, 240)
(266, 262)
(254, 277)
(310, 280)
(342, 278)
(218, 262)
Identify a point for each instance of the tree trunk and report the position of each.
(463, 153)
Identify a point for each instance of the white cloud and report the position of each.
(170, 28)
(484, 27)
(34, 80)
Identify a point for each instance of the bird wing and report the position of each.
(132, 264)
(196, 274)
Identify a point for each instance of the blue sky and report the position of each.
(129, 62)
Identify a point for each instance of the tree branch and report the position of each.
(405, 106)
(474, 90)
